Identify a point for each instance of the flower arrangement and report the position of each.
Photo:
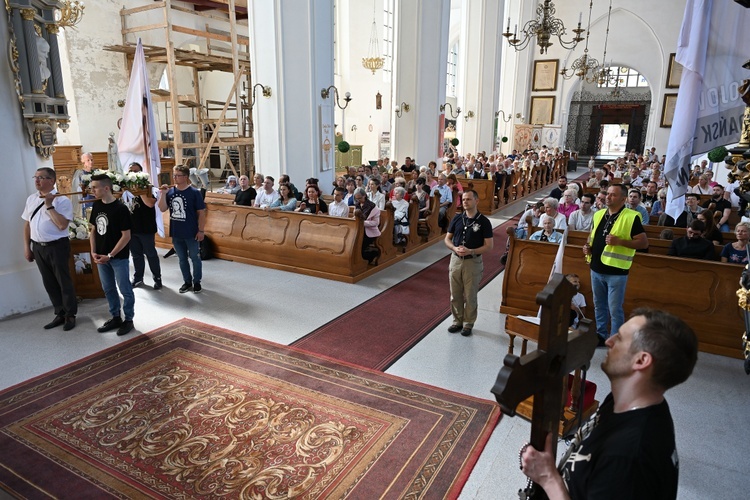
(131, 181)
(78, 229)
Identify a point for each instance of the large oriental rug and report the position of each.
(377, 333)
(191, 410)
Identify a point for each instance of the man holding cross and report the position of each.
(627, 450)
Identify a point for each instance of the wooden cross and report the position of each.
(541, 373)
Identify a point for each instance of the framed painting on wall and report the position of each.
(674, 72)
(545, 75)
(667, 110)
(542, 110)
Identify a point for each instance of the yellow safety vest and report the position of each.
(615, 255)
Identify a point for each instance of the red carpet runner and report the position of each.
(377, 333)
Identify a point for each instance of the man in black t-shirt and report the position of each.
(562, 185)
(627, 450)
(616, 234)
(721, 205)
(110, 249)
(469, 236)
(693, 245)
(246, 195)
(142, 237)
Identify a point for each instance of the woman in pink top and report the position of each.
(568, 205)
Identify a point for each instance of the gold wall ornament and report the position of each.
(71, 13)
(28, 14)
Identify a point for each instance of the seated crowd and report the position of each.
(705, 216)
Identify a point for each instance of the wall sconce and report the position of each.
(266, 92)
(469, 114)
(71, 13)
(458, 110)
(325, 93)
(505, 118)
(404, 108)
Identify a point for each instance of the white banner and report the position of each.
(712, 46)
(137, 141)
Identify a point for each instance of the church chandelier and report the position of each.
(585, 66)
(374, 61)
(543, 28)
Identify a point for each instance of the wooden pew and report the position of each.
(655, 246)
(702, 293)
(221, 198)
(485, 191)
(316, 245)
(429, 228)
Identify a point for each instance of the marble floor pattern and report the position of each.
(710, 410)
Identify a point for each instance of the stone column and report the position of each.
(291, 46)
(420, 58)
(479, 73)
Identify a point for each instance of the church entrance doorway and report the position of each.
(616, 128)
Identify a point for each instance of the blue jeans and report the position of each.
(113, 275)
(609, 297)
(184, 248)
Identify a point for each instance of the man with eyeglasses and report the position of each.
(187, 220)
(45, 236)
(616, 234)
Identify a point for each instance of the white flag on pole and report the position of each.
(137, 141)
(711, 47)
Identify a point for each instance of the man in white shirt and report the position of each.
(45, 233)
(267, 195)
(338, 207)
(583, 218)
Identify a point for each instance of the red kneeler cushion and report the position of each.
(588, 396)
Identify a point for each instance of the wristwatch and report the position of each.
(109, 255)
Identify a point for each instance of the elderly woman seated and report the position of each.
(400, 215)
(231, 187)
(568, 205)
(547, 233)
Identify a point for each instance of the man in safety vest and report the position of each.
(616, 235)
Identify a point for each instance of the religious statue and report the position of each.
(113, 159)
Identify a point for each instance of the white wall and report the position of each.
(21, 287)
(642, 35)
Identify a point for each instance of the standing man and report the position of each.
(469, 236)
(187, 220)
(45, 237)
(616, 235)
(110, 249)
(627, 450)
(142, 237)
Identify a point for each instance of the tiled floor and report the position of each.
(711, 410)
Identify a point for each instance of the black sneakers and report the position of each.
(454, 328)
(186, 287)
(197, 288)
(125, 327)
(136, 283)
(157, 284)
(111, 324)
